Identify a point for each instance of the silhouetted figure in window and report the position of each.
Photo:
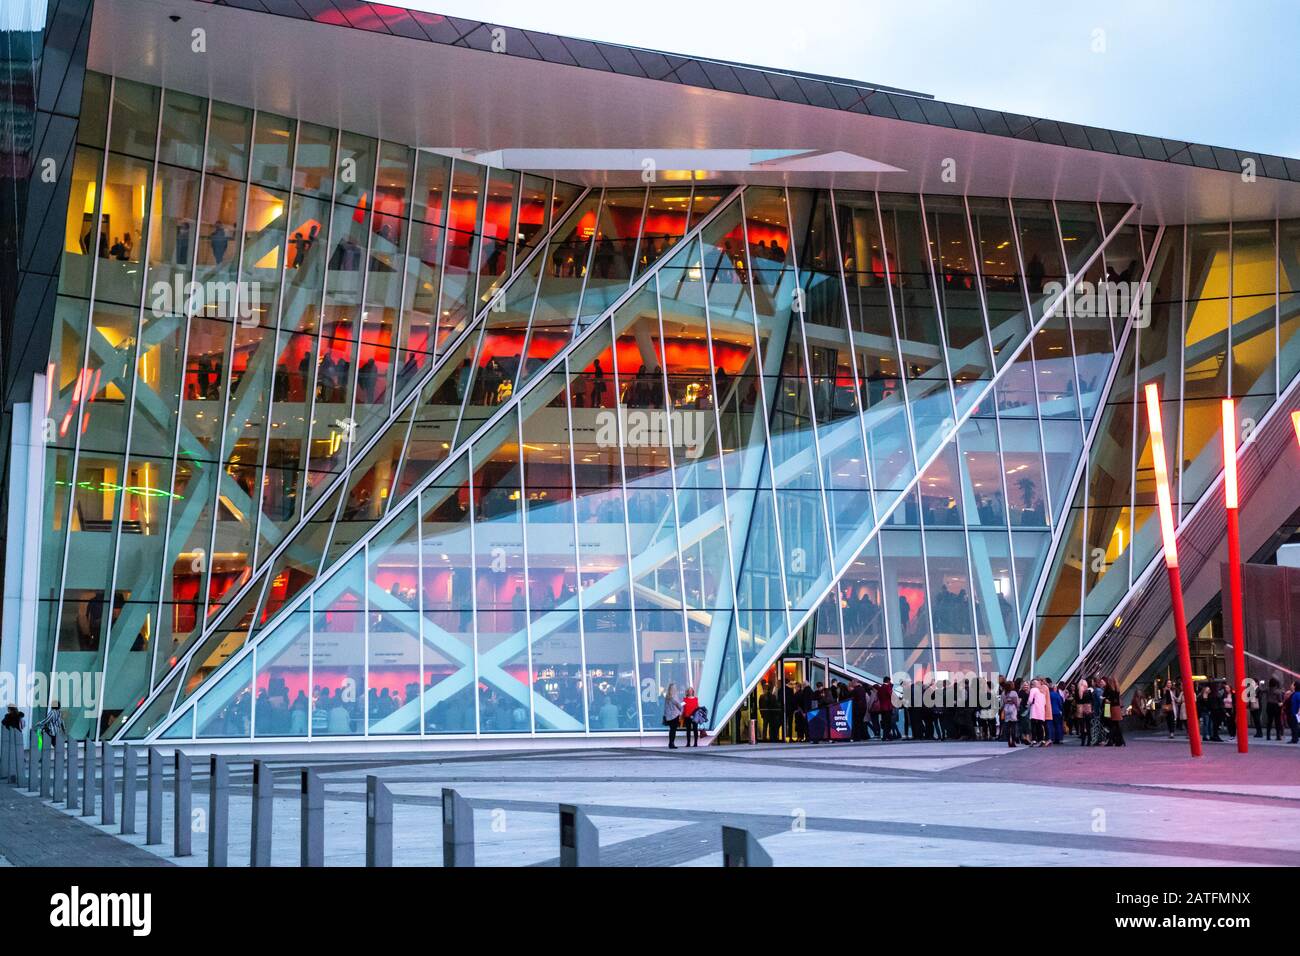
(597, 385)
(1035, 270)
(219, 240)
(300, 245)
(183, 242)
(367, 378)
(325, 387)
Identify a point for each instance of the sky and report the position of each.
(1220, 72)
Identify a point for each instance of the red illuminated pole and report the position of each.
(1238, 611)
(1166, 510)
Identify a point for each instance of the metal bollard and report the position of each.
(218, 810)
(182, 803)
(457, 829)
(88, 779)
(47, 768)
(379, 823)
(263, 797)
(739, 848)
(311, 838)
(74, 774)
(129, 787)
(33, 768)
(107, 786)
(12, 755)
(6, 744)
(153, 808)
(60, 757)
(579, 840)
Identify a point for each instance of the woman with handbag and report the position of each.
(1038, 711)
(1083, 711)
(1115, 711)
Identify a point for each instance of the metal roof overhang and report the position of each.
(441, 96)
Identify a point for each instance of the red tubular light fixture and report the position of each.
(1166, 510)
(1237, 612)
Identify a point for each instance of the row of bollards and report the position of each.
(67, 774)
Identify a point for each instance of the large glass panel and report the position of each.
(226, 710)
(996, 624)
(283, 686)
(447, 594)
(81, 246)
(614, 253)
(273, 139)
(393, 641)
(1040, 251)
(999, 269)
(184, 122)
(460, 260)
(338, 652)
(1058, 613)
(313, 166)
(1288, 285)
(126, 196)
(953, 262)
(557, 675)
(172, 237)
(228, 130)
(602, 529)
(905, 602)
(356, 169)
(863, 609)
(134, 126)
(1254, 317)
(919, 332)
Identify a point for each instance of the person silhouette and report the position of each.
(219, 240)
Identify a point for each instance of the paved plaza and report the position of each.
(901, 803)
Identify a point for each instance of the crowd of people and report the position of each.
(1035, 712)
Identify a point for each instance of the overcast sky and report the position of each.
(1222, 73)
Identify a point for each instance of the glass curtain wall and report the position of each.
(1221, 323)
(711, 451)
(234, 322)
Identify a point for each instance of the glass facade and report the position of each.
(1221, 324)
(355, 439)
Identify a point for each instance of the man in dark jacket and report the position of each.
(1217, 710)
(859, 697)
(13, 718)
(885, 704)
